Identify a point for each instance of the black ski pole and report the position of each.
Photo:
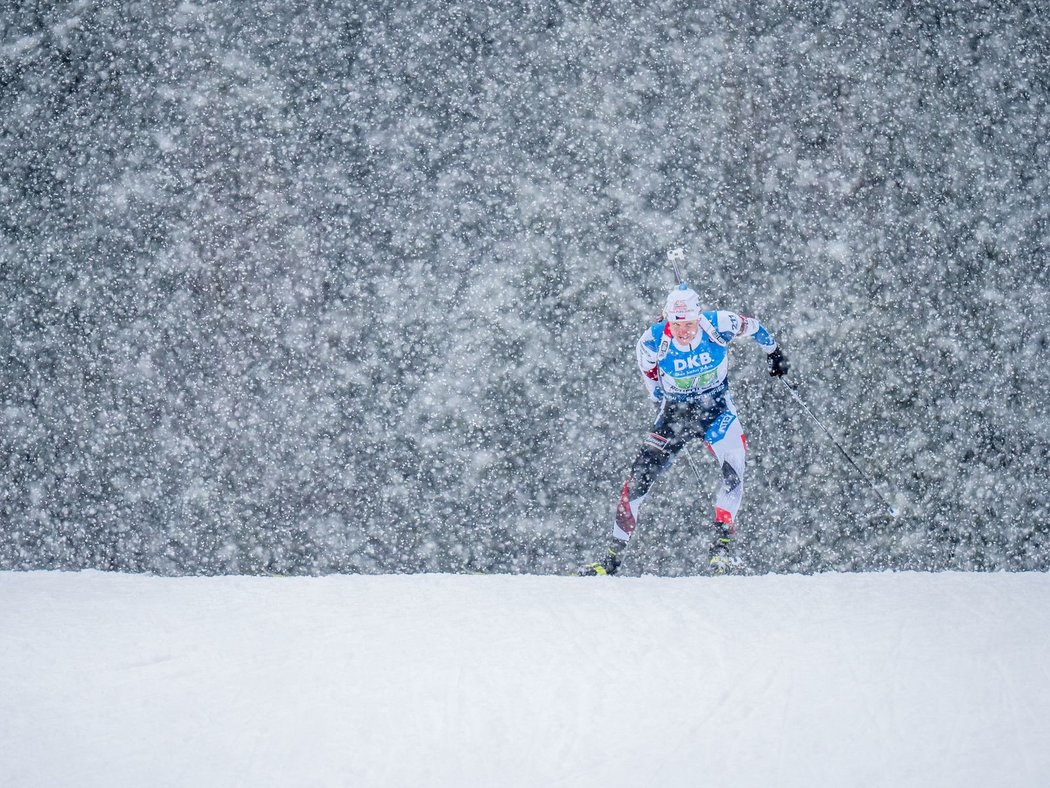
(696, 473)
(892, 509)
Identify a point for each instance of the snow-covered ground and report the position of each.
(436, 680)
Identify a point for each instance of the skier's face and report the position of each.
(684, 330)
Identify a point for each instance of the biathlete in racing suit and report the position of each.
(684, 364)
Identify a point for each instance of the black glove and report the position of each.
(778, 363)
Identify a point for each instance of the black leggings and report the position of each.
(677, 425)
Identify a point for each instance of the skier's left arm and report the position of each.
(733, 326)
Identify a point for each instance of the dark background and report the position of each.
(326, 288)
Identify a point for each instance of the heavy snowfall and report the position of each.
(341, 287)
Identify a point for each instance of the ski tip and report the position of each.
(894, 511)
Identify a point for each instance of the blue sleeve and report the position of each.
(652, 336)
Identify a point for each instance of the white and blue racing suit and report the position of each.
(691, 383)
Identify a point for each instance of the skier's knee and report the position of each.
(655, 444)
(654, 457)
(731, 479)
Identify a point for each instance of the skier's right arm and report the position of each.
(648, 354)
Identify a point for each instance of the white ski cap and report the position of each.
(682, 304)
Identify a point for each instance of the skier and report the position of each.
(684, 364)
